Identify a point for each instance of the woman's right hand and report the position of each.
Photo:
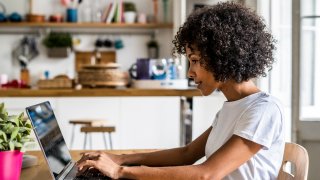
(94, 154)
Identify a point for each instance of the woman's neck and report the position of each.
(234, 91)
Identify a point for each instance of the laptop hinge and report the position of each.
(65, 171)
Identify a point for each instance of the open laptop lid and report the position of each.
(50, 138)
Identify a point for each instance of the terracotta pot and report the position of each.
(10, 164)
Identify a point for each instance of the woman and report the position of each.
(227, 46)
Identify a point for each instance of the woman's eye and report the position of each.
(194, 61)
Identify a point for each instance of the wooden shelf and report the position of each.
(87, 25)
(97, 92)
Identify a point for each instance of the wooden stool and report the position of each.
(102, 129)
(84, 122)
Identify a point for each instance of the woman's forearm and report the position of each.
(160, 173)
(170, 157)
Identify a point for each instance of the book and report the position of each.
(112, 12)
(106, 13)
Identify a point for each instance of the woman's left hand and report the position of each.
(103, 163)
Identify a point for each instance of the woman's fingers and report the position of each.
(88, 156)
(83, 166)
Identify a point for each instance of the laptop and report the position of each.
(53, 145)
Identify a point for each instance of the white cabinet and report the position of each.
(141, 122)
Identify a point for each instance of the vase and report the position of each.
(10, 164)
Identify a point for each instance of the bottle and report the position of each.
(153, 48)
(85, 11)
(172, 74)
(25, 76)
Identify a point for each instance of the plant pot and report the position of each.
(130, 16)
(58, 52)
(10, 164)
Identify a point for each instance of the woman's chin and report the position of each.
(206, 92)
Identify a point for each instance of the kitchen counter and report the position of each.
(97, 92)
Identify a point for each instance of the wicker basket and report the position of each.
(102, 75)
(56, 83)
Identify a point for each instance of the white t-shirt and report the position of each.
(258, 118)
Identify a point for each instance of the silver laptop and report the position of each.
(53, 145)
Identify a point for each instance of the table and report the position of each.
(41, 171)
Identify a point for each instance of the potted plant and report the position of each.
(130, 12)
(58, 44)
(14, 136)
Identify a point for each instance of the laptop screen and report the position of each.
(50, 137)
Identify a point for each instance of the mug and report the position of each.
(140, 69)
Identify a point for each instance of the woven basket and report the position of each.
(102, 75)
(56, 83)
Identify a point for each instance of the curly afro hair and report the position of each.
(233, 41)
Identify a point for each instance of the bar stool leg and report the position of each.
(72, 136)
(110, 140)
(90, 141)
(104, 140)
(85, 141)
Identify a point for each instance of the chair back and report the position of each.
(298, 157)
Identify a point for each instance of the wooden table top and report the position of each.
(41, 171)
(97, 92)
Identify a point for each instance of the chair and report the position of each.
(97, 129)
(298, 157)
(84, 122)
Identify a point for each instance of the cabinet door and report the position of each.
(149, 122)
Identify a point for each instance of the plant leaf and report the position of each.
(11, 145)
(4, 136)
(14, 119)
(14, 133)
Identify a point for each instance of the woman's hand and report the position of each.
(107, 164)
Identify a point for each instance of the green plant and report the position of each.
(14, 131)
(58, 40)
(129, 6)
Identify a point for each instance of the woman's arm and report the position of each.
(172, 157)
(229, 157)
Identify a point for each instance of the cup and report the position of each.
(141, 69)
(72, 15)
(3, 79)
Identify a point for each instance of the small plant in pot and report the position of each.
(14, 136)
(58, 44)
(130, 12)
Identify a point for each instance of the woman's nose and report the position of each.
(190, 74)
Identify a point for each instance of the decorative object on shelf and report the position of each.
(56, 18)
(31, 17)
(58, 82)
(130, 12)
(14, 137)
(35, 18)
(153, 48)
(58, 44)
(72, 15)
(165, 4)
(155, 11)
(85, 11)
(102, 75)
(83, 58)
(15, 17)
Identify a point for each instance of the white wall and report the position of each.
(134, 45)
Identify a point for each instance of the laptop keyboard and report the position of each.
(93, 174)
